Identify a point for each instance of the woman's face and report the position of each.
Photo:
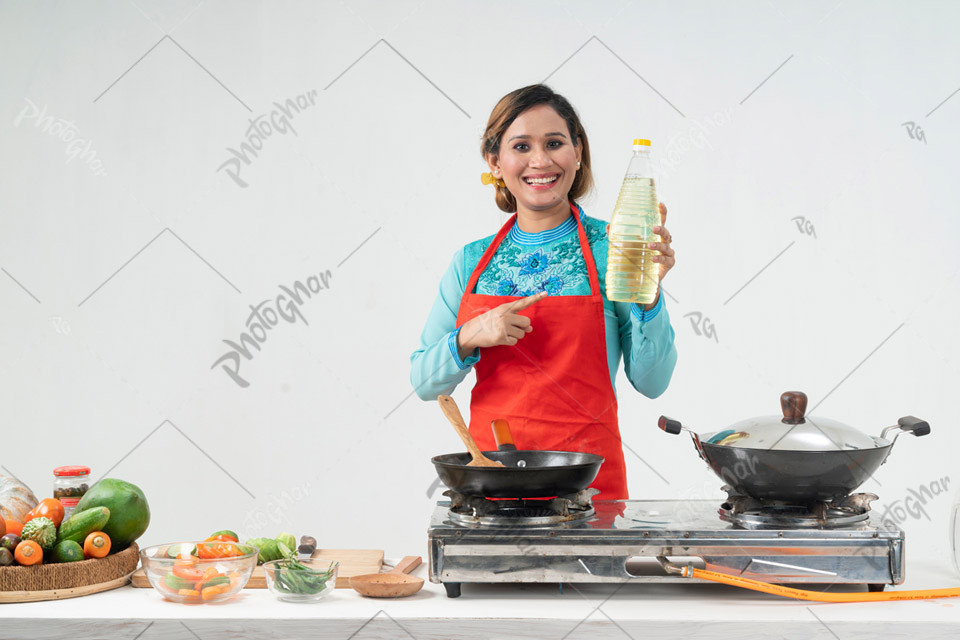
(538, 160)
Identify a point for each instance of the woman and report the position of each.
(527, 307)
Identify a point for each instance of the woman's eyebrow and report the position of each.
(553, 133)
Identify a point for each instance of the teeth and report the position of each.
(540, 180)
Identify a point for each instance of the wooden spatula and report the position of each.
(452, 412)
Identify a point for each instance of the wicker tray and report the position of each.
(54, 581)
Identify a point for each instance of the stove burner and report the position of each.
(524, 513)
(750, 513)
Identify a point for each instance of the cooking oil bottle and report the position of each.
(632, 275)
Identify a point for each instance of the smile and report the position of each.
(542, 180)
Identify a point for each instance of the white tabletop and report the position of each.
(686, 609)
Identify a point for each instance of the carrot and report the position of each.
(96, 545)
(13, 526)
(212, 592)
(28, 552)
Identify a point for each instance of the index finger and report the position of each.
(663, 213)
(523, 303)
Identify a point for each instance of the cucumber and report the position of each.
(83, 523)
(67, 551)
(176, 583)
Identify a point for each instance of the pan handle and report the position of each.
(670, 425)
(502, 435)
(673, 426)
(911, 424)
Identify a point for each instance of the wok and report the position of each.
(796, 458)
(525, 474)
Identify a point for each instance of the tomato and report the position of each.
(194, 574)
(220, 538)
(208, 550)
(48, 508)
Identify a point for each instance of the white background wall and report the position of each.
(123, 275)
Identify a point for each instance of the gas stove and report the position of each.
(574, 539)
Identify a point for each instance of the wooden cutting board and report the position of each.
(353, 562)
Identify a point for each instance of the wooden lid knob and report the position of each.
(794, 406)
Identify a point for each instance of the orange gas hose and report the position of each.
(801, 594)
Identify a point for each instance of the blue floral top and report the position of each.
(527, 263)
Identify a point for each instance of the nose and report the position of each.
(539, 157)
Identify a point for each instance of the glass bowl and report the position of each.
(188, 573)
(306, 581)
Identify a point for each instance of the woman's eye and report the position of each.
(556, 143)
(518, 145)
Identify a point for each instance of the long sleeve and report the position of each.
(647, 342)
(436, 368)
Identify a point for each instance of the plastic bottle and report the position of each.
(632, 275)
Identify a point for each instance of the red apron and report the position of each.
(553, 386)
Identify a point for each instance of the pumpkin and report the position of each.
(16, 499)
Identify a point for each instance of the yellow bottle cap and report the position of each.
(641, 141)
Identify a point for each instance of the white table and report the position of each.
(687, 610)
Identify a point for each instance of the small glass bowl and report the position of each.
(171, 568)
(301, 585)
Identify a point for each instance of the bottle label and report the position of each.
(69, 503)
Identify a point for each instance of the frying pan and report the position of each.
(525, 474)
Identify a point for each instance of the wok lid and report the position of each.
(793, 431)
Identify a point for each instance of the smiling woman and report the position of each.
(527, 307)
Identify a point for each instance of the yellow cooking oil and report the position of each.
(632, 275)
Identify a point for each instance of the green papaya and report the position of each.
(82, 523)
(129, 511)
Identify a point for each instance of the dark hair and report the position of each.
(509, 108)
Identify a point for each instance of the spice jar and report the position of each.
(69, 485)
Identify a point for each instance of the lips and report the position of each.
(541, 180)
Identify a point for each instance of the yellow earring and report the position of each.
(488, 178)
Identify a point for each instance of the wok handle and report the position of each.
(670, 425)
(910, 424)
(916, 426)
(502, 435)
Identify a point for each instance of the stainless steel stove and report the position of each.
(576, 540)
